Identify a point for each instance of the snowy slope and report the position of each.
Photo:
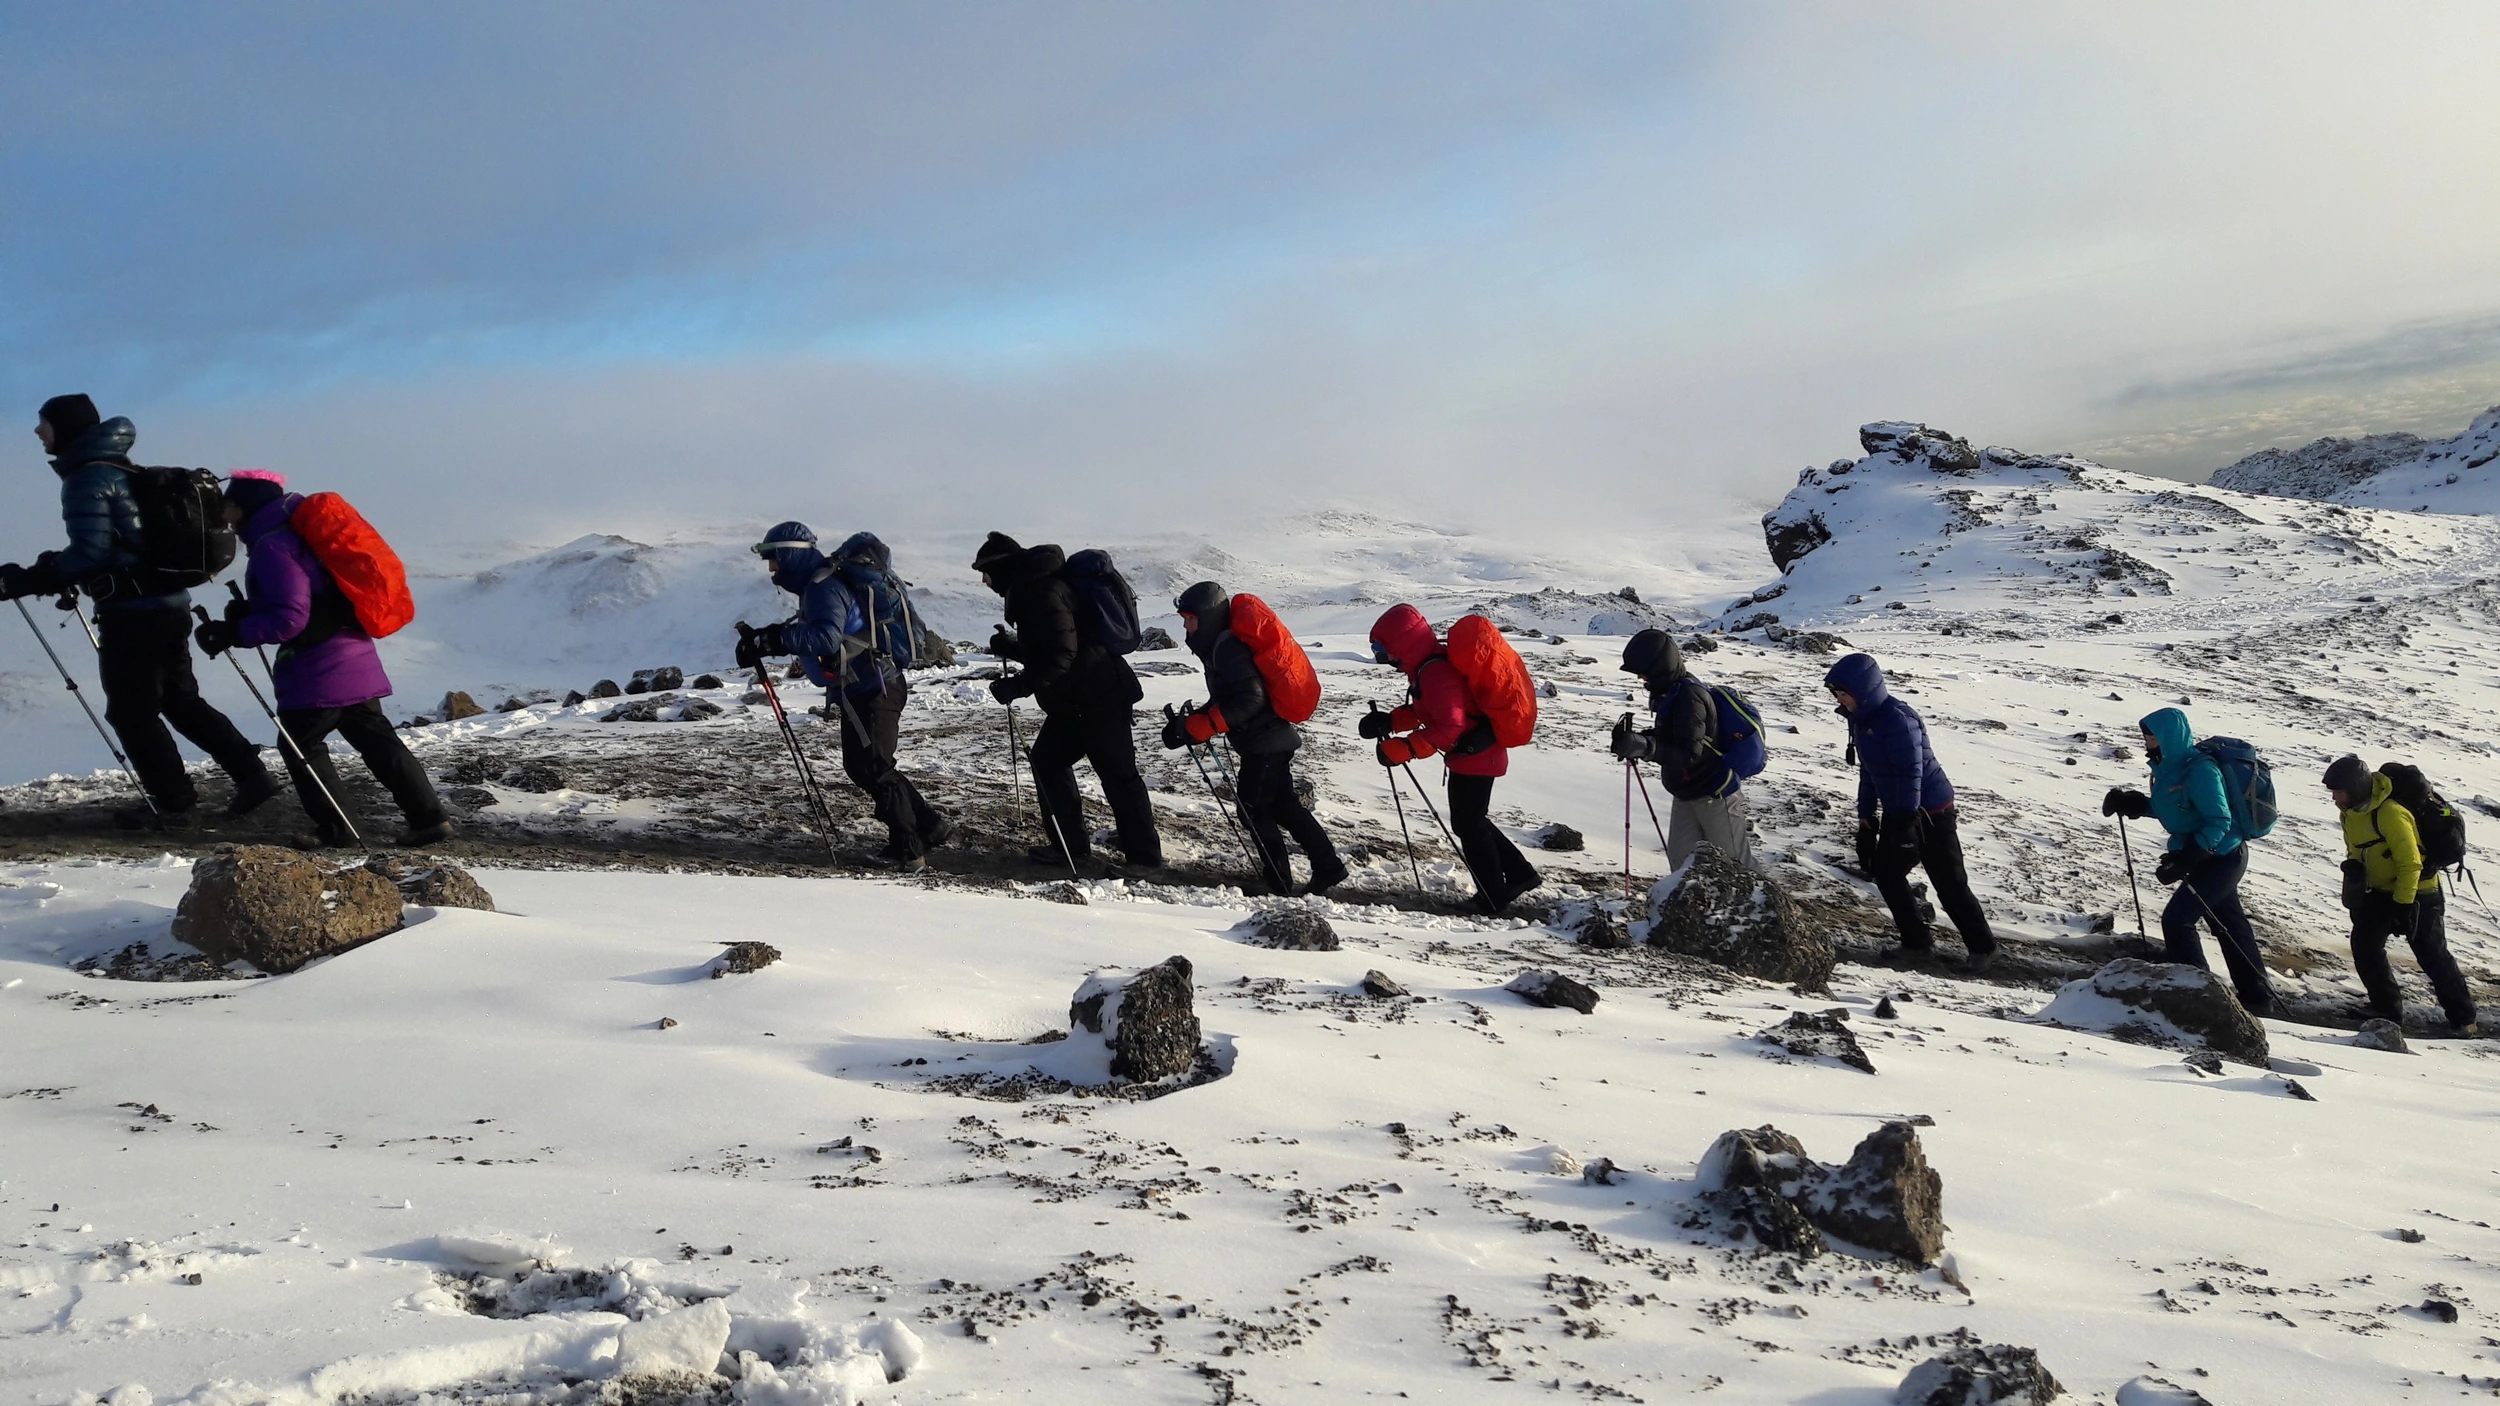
(2398, 471)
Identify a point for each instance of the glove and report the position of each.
(2405, 916)
(1628, 745)
(68, 600)
(15, 581)
(2134, 805)
(1866, 845)
(2356, 885)
(2179, 863)
(1176, 732)
(1203, 723)
(215, 637)
(1374, 726)
(236, 608)
(1897, 844)
(1007, 688)
(756, 645)
(1398, 751)
(1003, 643)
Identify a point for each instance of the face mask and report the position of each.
(1380, 653)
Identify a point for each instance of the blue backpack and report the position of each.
(1737, 732)
(1106, 609)
(866, 565)
(2247, 781)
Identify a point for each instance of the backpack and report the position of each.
(2442, 828)
(1106, 609)
(360, 563)
(867, 564)
(1497, 679)
(1736, 733)
(2247, 781)
(1292, 685)
(183, 537)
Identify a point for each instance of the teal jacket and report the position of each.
(2188, 798)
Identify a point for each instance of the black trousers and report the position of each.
(869, 762)
(1103, 734)
(1940, 853)
(1499, 868)
(2376, 922)
(1265, 785)
(375, 740)
(146, 666)
(2211, 896)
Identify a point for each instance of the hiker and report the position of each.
(1088, 697)
(2391, 892)
(144, 632)
(1441, 715)
(1238, 708)
(839, 638)
(2207, 856)
(327, 673)
(1906, 817)
(1685, 742)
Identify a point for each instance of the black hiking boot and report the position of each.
(248, 797)
(939, 834)
(1907, 954)
(1977, 960)
(1049, 856)
(143, 818)
(1322, 880)
(420, 836)
(327, 839)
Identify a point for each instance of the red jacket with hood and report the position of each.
(1440, 709)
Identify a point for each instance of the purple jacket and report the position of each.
(282, 582)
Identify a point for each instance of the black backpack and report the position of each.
(183, 537)
(2442, 829)
(1106, 609)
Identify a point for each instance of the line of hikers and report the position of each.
(322, 585)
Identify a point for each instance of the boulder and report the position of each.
(707, 681)
(1561, 838)
(429, 882)
(740, 958)
(1764, 1217)
(471, 797)
(1945, 453)
(1156, 637)
(575, 698)
(1722, 911)
(1885, 1197)
(1762, 1156)
(278, 909)
(1376, 984)
(696, 710)
(2159, 1391)
(1291, 928)
(605, 688)
(537, 778)
(1994, 1375)
(1145, 1017)
(1600, 928)
(458, 705)
(1552, 989)
(2161, 1003)
(1791, 534)
(667, 677)
(641, 710)
(2381, 1034)
(1819, 1035)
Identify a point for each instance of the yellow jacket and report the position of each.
(2382, 835)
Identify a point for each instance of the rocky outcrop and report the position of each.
(1945, 453)
(1552, 989)
(706, 681)
(741, 958)
(605, 688)
(2319, 469)
(1885, 1199)
(278, 909)
(1792, 532)
(1721, 911)
(1561, 839)
(1147, 1019)
(1819, 1035)
(665, 679)
(456, 706)
(1291, 928)
(1994, 1375)
(2161, 1003)
(431, 883)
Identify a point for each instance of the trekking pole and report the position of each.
(1170, 714)
(1627, 830)
(1233, 781)
(84, 628)
(286, 739)
(2128, 849)
(89, 709)
(1435, 811)
(1653, 809)
(1015, 752)
(816, 803)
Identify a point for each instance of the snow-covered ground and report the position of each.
(2398, 471)
(2109, 1206)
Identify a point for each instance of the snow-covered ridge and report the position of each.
(1928, 525)
(2399, 471)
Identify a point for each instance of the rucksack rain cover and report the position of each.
(367, 571)
(1497, 679)
(1292, 685)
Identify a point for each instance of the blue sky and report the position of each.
(630, 267)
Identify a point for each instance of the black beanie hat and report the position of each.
(1201, 599)
(996, 550)
(1653, 654)
(2350, 775)
(70, 416)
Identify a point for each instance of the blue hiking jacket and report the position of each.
(1897, 770)
(2188, 798)
(102, 515)
(831, 612)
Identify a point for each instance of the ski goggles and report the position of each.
(1380, 653)
(766, 549)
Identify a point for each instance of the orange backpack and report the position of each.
(367, 571)
(1497, 679)
(1292, 685)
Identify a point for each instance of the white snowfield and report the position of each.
(468, 1161)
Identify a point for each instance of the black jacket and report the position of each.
(102, 515)
(1239, 691)
(1682, 744)
(1063, 671)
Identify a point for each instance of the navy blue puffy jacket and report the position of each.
(1896, 768)
(102, 516)
(830, 612)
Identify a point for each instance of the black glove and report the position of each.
(1176, 732)
(68, 600)
(1897, 846)
(236, 608)
(1866, 845)
(1628, 745)
(1373, 727)
(2134, 805)
(2356, 885)
(2180, 863)
(15, 581)
(215, 637)
(1007, 688)
(2405, 916)
(1003, 643)
(756, 645)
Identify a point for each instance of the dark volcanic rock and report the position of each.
(2182, 1007)
(1762, 1156)
(638, 684)
(1544, 988)
(605, 688)
(458, 705)
(1791, 534)
(1561, 838)
(575, 698)
(1156, 637)
(739, 958)
(1765, 1217)
(666, 678)
(1146, 1017)
(707, 681)
(278, 909)
(1292, 929)
(1885, 1198)
(431, 882)
(1377, 984)
(537, 778)
(2381, 1034)
(1819, 1035)
(1945, 453)
(697, 709)
(1995, 1375)
(470, 797)
(1721, 911)
(1600, 928)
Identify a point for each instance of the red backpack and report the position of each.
(367, 571)
(1292, 685)
(1497, 679)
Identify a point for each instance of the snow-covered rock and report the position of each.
(2399, 471)
(2161, 1003)
(1145, 1020)
(2320, 469)
(278, 909)
(1994, 1375)
(1722, 911)
(1819, 1035)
